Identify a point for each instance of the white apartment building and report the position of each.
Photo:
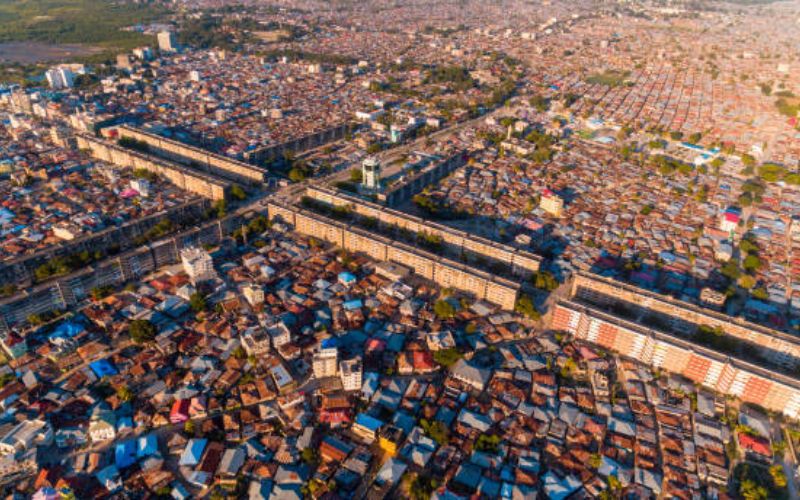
(351, 371)
(325, 359)
(198, 264)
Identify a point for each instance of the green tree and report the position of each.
(747, 282)
(731, 270)
(544, 280)
(142, 331)
(356, 175)
(444, 309)
(435, 430)
(750, 490)
(297, 175)
(309, 456)
(238, 193)
(526, 307)
(446, 357)
(197, 301)
(489, 443)
(422, 487)
(751, 262)
(221, 207)
(778, 476)
(124, 393)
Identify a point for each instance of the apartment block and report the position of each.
(727, 375)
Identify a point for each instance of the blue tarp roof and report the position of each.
(370, 423)
(146, 445)
(346, 277)
(329, 343)
(67, 329)
(193, 452)
(351, 305)
(103, 368)
(125, 454)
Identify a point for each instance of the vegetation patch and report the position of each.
(610, 78)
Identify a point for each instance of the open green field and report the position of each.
(96, 23)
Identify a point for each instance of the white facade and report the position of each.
(25, 435)
(60, 78)
(351, 371)
(371, 174)
(166, 42)
(198, 264)
(142, 186)
(254, 294)
(256, 343)
(325, 362)
(279, 334)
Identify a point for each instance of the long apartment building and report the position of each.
(406, 188)
(724, 374)
(185, 178)
(445, 272)
(298, 145)
(215, 164)
(668, 314)
(521, 262)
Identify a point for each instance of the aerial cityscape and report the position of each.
(412, 249)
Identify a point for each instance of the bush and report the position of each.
(197, 302)
(751, 262)
(142, 331)
(444, 309)
(125, 394)
(435, 430)
(447, 357)
(525, 307)
(297, 175)
(489, 443)
(544, 280)
(238, 193)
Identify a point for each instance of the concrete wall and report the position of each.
(444, 272)
(185, 178)
(521, 262)
(212, 163)
(723, 374)
(777, 347)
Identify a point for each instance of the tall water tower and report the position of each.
(371, 174)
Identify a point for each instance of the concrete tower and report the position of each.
(371, 174)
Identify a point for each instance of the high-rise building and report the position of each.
(124, 61)
(198, 264)
(143, 53)
(371, 174)
(325, 359)
(351, 371)
(166, 42)
(60, 77)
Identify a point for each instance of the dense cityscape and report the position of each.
(400, 249)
